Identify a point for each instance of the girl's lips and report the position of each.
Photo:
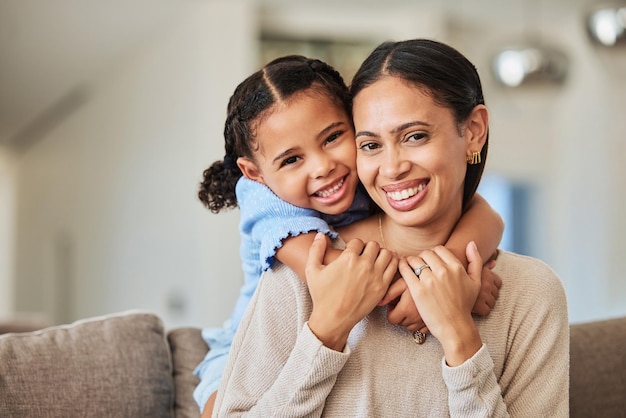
(328, 191)
(333, 193)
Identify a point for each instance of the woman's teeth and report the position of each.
(329, 192)
(406, 193)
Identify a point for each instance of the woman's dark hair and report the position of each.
(449, 77)
(252, 101)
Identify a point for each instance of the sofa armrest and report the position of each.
(113, 366)
(188, 350)
(598, 368)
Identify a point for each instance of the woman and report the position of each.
(328, 350)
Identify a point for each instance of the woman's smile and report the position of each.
(407, 195)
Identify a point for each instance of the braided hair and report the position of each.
(252, 101)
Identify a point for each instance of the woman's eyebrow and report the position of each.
(395, 130)
(409, 125)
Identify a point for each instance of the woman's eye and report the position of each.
(416, 137)
(289, 161)
(369, 146)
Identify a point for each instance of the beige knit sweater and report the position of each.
(278, 368)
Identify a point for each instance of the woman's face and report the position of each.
(411, 155)
(306, 154)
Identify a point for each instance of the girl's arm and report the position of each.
(481, 224)
(295, 251)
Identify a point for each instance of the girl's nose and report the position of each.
(323, 165)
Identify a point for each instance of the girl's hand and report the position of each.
(489, 290)
(346, 290)
(446, 293)
(401, 309)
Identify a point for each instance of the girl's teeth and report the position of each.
(406, 193)
(329, 192)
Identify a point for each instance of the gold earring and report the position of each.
(474, 158)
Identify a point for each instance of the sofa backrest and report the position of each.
(126, 365)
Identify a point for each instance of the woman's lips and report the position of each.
(406, 196)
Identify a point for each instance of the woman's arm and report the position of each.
(291, 343)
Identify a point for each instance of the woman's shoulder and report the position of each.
(529, 275)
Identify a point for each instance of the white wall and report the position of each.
(108, 215)
(7, 232)
(567, 142)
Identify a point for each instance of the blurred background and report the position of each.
(111, 110)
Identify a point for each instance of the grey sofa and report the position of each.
(128, 365)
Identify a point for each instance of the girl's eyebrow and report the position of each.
(330, 127)
(395, 130)
(284, 154)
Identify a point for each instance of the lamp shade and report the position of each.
(606, 25)
(517, 66)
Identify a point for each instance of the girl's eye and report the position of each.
(416, 137)
(333, 137)
(289, 161)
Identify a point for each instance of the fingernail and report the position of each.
(319, 235)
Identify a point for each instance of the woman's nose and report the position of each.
(394, 165)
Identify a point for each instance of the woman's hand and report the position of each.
(446, 293)
(346, 290)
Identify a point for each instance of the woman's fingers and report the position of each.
(475, 262)
(347, 289)
(316, 254)
(395, 289)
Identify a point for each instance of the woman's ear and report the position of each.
(477, 126)
(249, 169)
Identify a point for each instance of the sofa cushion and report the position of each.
(188, 350)
(598, 369)
(112, 366)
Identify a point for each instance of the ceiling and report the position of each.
(50, 51)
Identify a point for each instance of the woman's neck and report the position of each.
(409, 240)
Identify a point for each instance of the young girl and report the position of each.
(290, 166)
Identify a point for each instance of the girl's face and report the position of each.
(306, 154)
(411, 155)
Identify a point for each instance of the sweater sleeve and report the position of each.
(277, 367)
(535, 379)
(269, 220)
